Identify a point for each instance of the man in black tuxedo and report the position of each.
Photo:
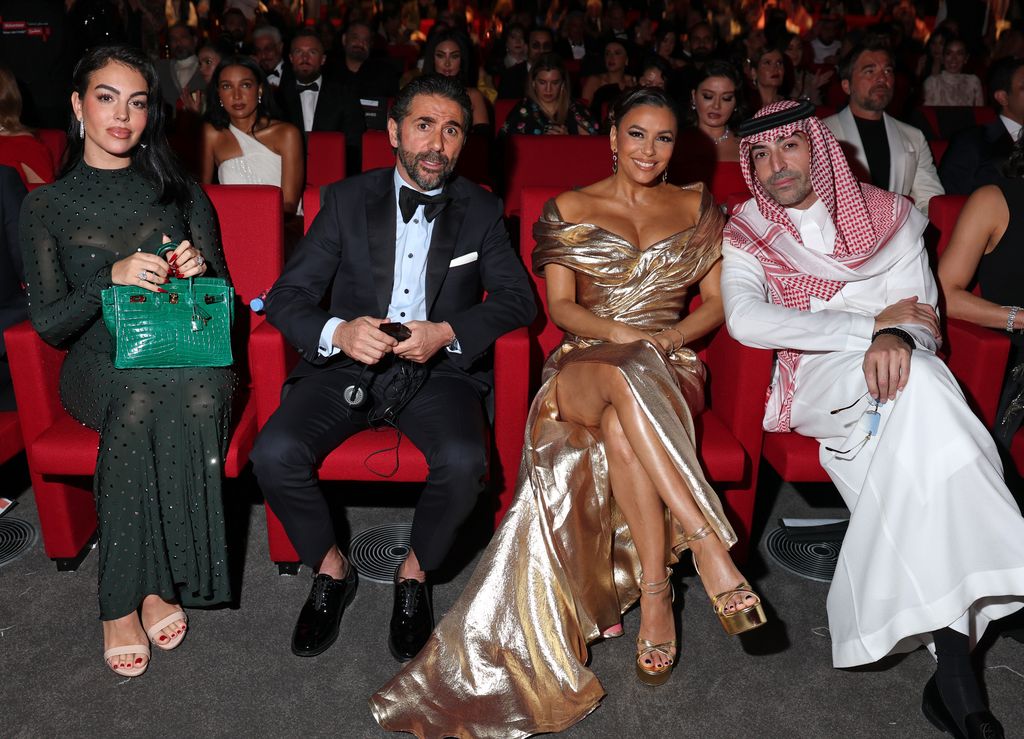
(410, 245)
(975, 156)
(313, 100)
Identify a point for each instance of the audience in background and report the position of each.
(19, 147)
(881, 150)
(952, 86)
(269, 52)
(975, 157)
(767, 75)
(513, 81)
(242, 142)
(181, 80)
(548, 107)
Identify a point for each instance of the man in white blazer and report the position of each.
(880, 149)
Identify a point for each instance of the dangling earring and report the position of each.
(81, 128)
(615, 162)
(664, 176)
(259, 99)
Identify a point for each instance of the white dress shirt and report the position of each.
(1012, 127)
(308, 98)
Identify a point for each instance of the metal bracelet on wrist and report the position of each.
(1011, 317)
(898, 333)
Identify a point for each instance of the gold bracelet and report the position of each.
(682, 339)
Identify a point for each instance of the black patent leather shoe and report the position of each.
(412, 619)
(317, 627)
(980, 724)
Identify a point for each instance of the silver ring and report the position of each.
(142, 274)
(199, 260)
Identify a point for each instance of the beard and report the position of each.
(793, 194)
(425, 181)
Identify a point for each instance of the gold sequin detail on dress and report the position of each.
(509, 658)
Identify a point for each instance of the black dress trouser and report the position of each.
(445, 420)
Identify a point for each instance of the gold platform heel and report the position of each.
(655, 675)
(742, 619)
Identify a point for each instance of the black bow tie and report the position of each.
(314, 86)
(409, 199)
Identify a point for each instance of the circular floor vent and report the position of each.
(16, 538)
(379, 550)
(815, 560)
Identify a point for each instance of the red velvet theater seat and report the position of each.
(560, 162)
(61, 452)
(728, 432)
(10, 435)
(352, 459)
(325, 157)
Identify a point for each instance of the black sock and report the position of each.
(955, 677)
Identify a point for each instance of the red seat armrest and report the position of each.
(977, 358)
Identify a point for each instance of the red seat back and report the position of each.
(377, 150)
(727, 183)
(250, 218)
(562, 162)
(502, 107)
(56, 141)
(943, 212)
(325, 157)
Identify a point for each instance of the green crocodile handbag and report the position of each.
(187, 326)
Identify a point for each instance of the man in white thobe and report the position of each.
(832, 274)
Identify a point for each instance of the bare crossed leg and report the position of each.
(644, 481)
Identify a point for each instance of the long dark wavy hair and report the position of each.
(265, 107)
(152, 157)
(467, 63)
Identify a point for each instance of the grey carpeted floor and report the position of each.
(235, 676)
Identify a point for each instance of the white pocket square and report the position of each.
(464, 259)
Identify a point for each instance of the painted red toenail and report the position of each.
(163, 637)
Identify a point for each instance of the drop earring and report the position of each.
(664, 176)
(81, 128)
(615, 162)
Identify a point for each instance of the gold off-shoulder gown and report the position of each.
(508, 659)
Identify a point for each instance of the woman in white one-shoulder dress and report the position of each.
(241, 139)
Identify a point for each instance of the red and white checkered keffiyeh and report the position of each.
(865, 217)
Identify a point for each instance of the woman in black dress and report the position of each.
(163, 432)
(987, 246)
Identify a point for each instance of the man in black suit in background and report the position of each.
(411, 245)
(975, 157)
(313, 100)
(540, 41)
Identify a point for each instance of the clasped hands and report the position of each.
(362, 340)
(887, 361)
(149, 271)
(623, 333)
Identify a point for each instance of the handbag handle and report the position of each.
(169, 246)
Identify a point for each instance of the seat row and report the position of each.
(61, 453)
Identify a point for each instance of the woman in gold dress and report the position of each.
(610, 489)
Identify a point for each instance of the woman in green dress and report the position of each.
(163, 432)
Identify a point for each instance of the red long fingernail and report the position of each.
(160, 290)
(173, 259)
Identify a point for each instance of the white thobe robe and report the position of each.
(935, 538)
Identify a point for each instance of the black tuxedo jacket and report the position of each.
(352, 244)
(974, 158)
(337, 108)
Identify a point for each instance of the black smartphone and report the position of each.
(398, 331)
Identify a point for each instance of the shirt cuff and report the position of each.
(326, 347)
